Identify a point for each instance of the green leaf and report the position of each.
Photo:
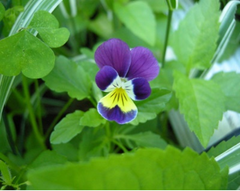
(150, 107)
(139, 19)
(202, 103)
(24, 52)
(6, 175)
(47, 158)
(48, 28)
(67, 128)
(144, 139)
(67, 76)
(2, 11)
(91, 118)
(146, 169)
(194, 42)
(94, 143)
(229, 83)
(68, 150)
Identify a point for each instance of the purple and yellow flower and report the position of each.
(124, 73)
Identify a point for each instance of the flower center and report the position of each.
(118, 97)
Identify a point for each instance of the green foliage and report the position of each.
(67, 76)
(223, 146)
(139, 19)
(227, 155)
(101, 26)
(145, 169)
(67, 128)
(31, 56)
(48, 28)
(85, 151)
(194, 42)
(229, 83)
(10, 17)
(6, 175)
(202, 103)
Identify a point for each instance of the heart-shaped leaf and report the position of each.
(24, 52)
(47, 26)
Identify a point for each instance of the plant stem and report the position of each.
(58, 117)
(39, 113)
(31, 113)
(170, 11)
(92, 101)
(107, 128)
(9, 162)
(9, 133)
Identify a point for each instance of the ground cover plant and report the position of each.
(87, 88)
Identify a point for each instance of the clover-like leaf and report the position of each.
(67, 76)
(202, 103)
(48, 28)
(67, 128)
(25, 52)
(139, 19)
(149, 169)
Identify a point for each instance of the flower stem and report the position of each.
(120, 145)
(65, 107)
(170, 11)
(31, 113)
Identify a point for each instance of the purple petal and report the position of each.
(105, 77)
(141, 88)
(143, 64)
(116, 114)
(114, 53)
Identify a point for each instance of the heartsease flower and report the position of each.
(125, 74)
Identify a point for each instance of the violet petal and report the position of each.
(105, 77)
(138, 89)
(115, 53)
(143, 64)
(115, 114)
